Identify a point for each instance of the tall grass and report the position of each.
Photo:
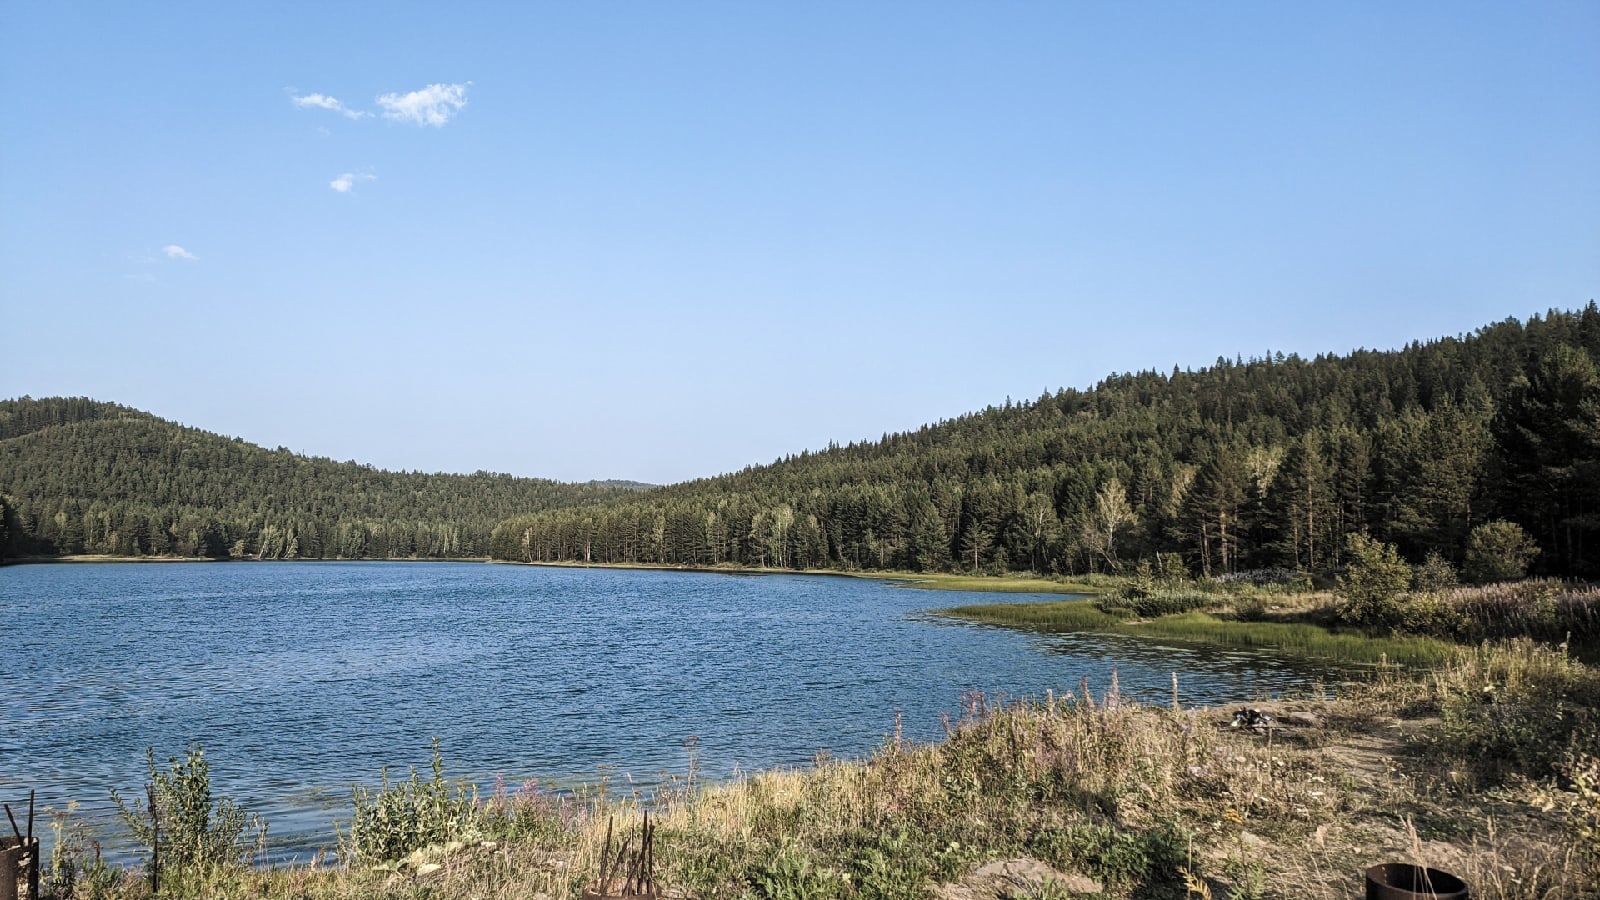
(1301, 638)
(1001, 584)
(1053, 615)
(1545, 609)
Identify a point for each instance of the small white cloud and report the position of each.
(173, 251)
(347, 182)
(323, 101)
(433, 105)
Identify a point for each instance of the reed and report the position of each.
(1300, 638)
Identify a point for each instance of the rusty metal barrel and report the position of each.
(1403, 881)
(19, 866)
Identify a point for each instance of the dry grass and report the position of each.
(1149, 802)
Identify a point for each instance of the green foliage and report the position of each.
(88, 477)
(1239, 467)
(404, 816)
(792, 875)
(1543, 609)
(1119, 858)
(1372, 582)
(195, 833)
(77, 869)
(1523, 709)
(1435, 574)
(1160, 602)
(895, 867)
(1583, 813)
(1499, 551)
(530, 814)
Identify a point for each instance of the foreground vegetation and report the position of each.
(1486, 768)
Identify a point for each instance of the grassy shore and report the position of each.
(1301, 638)
(1484, 768)
(1483, 761)
(998, 584)
(936, 581)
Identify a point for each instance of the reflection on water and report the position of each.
(301, 679)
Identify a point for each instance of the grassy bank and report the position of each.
(1301, 638)
(935, 581)
(999, 584)
(1478, 768)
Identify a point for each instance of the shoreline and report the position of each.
(931, 581)
(1154, 800)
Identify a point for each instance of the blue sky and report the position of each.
(661, 241)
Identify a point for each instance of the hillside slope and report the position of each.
(1238, 466)
(81, 476)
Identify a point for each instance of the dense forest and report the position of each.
(1244, 465)
(80, 476)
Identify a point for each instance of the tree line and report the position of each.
(1243, 465)
(81, 476)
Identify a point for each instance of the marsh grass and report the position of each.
(1001, 584)
(1300, 638)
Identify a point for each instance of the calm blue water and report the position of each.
(301, 679)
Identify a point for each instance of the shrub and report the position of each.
(791, 875)
(1541, 608)
(1521, 709)
(1372, 583)
(1499, 551)
(1583, 813)
(196, 833)
(1119, 858)
(1435, 574)
(405, 816)
(76, 866)
(1155, 603)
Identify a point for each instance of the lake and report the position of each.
(300, 679)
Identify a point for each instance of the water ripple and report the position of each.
(301, 679)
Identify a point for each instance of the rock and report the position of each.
(1303, 719)
(428, 868)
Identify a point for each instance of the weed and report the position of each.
(404, 816)
(791, 875)
(195, 833)
(77, 869)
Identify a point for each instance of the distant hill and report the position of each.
(83, 476)
(1244, 465)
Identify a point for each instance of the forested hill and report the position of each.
(80, 476)
(1239, 466)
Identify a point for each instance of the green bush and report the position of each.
(76, 866)
(1372, 582)
(1519, 711)
(1119, 858)
(1499, 551)
(196, 833)
(404, 816)
(1435, 574)
(791, 875)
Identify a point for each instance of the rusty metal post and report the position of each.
(33, 854)
(155, 840)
